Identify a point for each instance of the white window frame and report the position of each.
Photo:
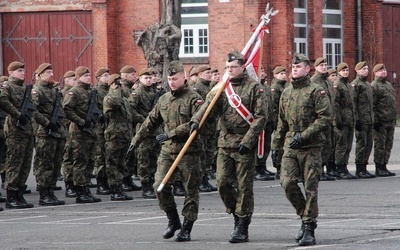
(297, 40)
(336, 57)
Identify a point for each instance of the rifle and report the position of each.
(58, 114)
(27, 107)
(94, 113)
(159, 93)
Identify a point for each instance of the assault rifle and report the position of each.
(27, 107)
(94, 113)
(58, 113)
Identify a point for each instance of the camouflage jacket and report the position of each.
(102, 90)
(268, 102)
(343, 105)
(173, 110)
(323, 81)
(44, 96)
(118, 111)
(304, 108)
(363, 100)
(234, 129)
(203, 88)
(67, 122)
(384, 100)
(277, 88)
(11, 97)
(141, 101)
(127, 89)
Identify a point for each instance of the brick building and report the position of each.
(99, 33)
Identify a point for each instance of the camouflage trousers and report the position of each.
(304, 163)
(231, 167)
(3, 150)
(68, 161)
(83, 151)
(383, 142)
(267, 145)
(189, 169)
(326, 152)
(209, 146)
(48, 160)
(99, 158)
(19, 160)
(363, 144)
(115, 161)
(343, 144)
(147, 154)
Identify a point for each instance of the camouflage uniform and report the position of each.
(3, 147)
(127, 89)
(67, 155)
(304, 108)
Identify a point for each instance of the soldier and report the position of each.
(128, 76)
(202, 86)
(19, 136)
(102, 76)
(50, 136)
(332, 75)
(304, 113)
(364, 117)
(76, 105)
(215, 77)
(69, 82)
(176, 126)
(385, 119)
(321, 78)
(278, 84)
(192, 76)
(3, 147)
(141, 101)
(343, 121)
(237, 141)
(117, 134)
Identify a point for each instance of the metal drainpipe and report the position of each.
(359, 31)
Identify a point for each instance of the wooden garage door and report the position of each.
(63, 39)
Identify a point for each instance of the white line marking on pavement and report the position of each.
(127, 221)
(24, 218)
(69, 220)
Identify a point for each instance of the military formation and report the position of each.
(118, 126)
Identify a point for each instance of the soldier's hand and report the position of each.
(88, 122)
(339, 125)
(23, 119)
(130, 149)
(297, 141)
(162, 137)
(358, 125)
(377, 126)
(243, 149)
(52, 126)
(193, 126)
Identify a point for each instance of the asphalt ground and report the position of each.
(354, 214)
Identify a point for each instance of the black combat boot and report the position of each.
(278, 172)
(81, 195)
(44, 197)
(343, 173)
(148, 191)
(389, 173)
(132, 185)
(174, 224)
(367, 172)
(184, 234)
(261, 174)
(125, 184)
(235, 223)
(26, 190)
(51, 193)
(360, 171)
(204, 186)
(12, 200)
(3, 179)
(2, 199)
(127, 197)
(331, 169)
(102, 188)
(88, 193)
(300, 234)
(70, 189)
(212, 188)
(116, 195)
(242, 231)
(21, 192)
(380, 171)
(178, 189)
(309, 236)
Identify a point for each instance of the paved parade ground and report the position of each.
(355, 214)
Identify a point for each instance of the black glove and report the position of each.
(358, 125)
(297, 141)
(243, 149)
(339, 125)
(87, 123)
(193, 126)
(23, 119)
(130, 149)
(162, 138)
(52, 126)
(377, 126)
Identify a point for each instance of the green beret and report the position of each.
(42, 67)
(278, 69)
(331, 71)
(378, 67)
(174, 67)
(101, 71)
(69, 73)
(319, 61)
(153, 71)
(360, 65)
(15, 65)
(298, 58)
(146, 71)
(113, 77)
(128, 69)
(341, 66)
(202, 68)
(81, 70)
(193, 71)
(234, 55)
(215, 70)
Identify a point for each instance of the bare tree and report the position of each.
(160, 41)
(371, 55)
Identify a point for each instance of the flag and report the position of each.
(252, 56)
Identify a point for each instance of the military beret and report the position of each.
(113, 77)
(278, 69)
(3, 79)
(360, 65)
(69, 73)
(146, 71)
(298, 58)
(174, 67)
(128, 69)
(331, 71)
(341, 66)
(81, 70)
(101, 71)
(319, 61)
(42, 67)
(153, 71)
(378, 67)
(15, 65)
(215, 70)
(202, 68)
(193, 71)
(234, 55)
